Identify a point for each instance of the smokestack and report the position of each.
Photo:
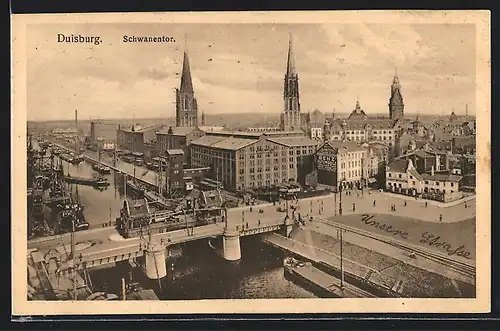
(432, 171)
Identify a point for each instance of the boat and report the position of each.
(101, 169)
(99, 181)
(136, 188)
(70, 158)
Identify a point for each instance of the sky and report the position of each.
(241, 67)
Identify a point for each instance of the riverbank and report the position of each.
(385, 276)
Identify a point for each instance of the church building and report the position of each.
(396, 105)
(186, 106)
(290, 117)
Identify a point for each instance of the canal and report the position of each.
(199, 273)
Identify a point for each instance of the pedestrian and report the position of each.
(394, 208)
(466, 205)
(374, 202)
(250, 208)
(247, 225)
(258, 222)
(405, 203)
(353, 207)
(426, 203)
(440, 217)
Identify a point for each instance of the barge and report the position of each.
(319, 282)
(96, 182)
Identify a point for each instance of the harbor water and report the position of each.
(198, 272)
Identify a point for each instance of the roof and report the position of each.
(211, 128)
(207, 140)
(233, 143)
(137, 128)
(398, 165)
(186, 81)
(415, 173)
(175, 152)
(374, 123)
(350, 146)
(294, 141)
(177, 131)
(229, 143)
(442, 177)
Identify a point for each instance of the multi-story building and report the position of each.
(242, 160)
(100, 131)
(402, 177)
(175, 172)
(133, 138)
(177, 138)
(345, 163)
(371, 130)
(290, 117)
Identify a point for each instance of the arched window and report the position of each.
(186, 103)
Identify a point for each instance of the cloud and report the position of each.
(240, 68)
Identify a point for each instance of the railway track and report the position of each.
(463, 268)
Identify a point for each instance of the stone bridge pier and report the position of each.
(231, 249)
(155, 264)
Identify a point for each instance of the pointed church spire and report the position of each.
(290, 65)
(186, 81)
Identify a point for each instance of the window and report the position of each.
(176, 172)
(242, 171)
(411, 177)
(399, 175)
(437, 183)
(426, 182)
(413, 182)
(451, 185)
(390, 175)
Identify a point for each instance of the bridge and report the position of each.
(105, 246)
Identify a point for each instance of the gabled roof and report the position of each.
(398, 165)
(415, 174)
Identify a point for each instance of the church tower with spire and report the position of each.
(290, 117)
(396, 105)
(186, 106)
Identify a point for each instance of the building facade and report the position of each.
(100, 131)
(186, 105)
(177, 138)
(345, 164)
(132, 139)
(290, 117)
(175, 173)
(402, 177)
(242, 160)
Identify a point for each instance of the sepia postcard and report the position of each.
(251, 162)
